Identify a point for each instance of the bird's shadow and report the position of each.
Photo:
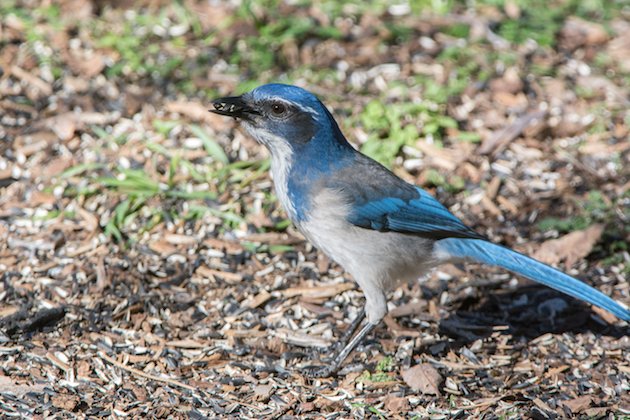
(524, 314)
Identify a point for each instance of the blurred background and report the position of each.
(137, 226)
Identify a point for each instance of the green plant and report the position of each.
(392, 126)
(263, 51)
(595, 208)
(453, 184)
(382, 372)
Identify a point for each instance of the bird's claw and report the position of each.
(318, 371)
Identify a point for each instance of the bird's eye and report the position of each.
(278, 109)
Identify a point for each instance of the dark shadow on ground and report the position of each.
(525, 313)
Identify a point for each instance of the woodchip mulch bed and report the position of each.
(207, 305)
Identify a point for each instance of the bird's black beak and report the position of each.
(233, 106)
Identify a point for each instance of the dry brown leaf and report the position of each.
(423, 378)
(569, 248)
(579, 404)
(396, 405)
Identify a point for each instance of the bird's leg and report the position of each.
(349, 332)
(333, 365)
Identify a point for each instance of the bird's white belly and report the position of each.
(375, 259)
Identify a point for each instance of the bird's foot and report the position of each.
(318, 371)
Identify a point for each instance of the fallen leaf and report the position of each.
(579, 404)
(396, 405)
(569, 248)
(423, 378)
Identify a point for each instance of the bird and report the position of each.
(381, 229)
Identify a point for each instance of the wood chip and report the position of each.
(325, 291)
(300, 339)
(186, 344)
(44, 88)
(257, 300)
(143, 374)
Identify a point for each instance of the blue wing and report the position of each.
(382, 201)
(422, 215)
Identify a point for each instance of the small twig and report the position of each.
(144, 374)
(502, 138)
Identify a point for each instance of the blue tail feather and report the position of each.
(488, 253)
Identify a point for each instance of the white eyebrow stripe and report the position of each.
(309, 109)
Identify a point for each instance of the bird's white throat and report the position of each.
(281, 161)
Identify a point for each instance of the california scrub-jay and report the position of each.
(378, 227)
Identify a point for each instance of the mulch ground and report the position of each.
(146, 271)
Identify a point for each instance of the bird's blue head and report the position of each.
(304, 140)
(284, 118)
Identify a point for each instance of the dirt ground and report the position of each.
(146, 268)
